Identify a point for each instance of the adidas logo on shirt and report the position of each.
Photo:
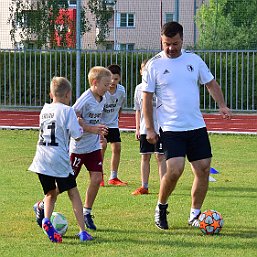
(166, 71)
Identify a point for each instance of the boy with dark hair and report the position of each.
(115, 100)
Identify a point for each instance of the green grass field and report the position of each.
(125, 222)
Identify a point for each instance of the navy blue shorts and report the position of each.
(113, 135)
(194, 144)
(146, 147)
(64, 184)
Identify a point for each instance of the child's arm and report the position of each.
(137, 117)
(97, 129)
(120, 111)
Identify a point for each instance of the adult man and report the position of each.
(173, 75)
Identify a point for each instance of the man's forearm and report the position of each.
(148, 110)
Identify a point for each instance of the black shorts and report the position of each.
(194, 144)
(64, 184)
(113, 135)
(146, 147)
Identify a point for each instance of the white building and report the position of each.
(135, 25)
(5, 38)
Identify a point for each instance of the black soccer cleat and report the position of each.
(160, 216)
(88, 218)
(39, 212)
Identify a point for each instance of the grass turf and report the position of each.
(125, 222)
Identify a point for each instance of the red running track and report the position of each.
(214, 122)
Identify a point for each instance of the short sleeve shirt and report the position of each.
(58, 122)
(175, 81)
(91, 111)
(114, 103)
(138, 101)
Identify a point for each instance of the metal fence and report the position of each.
(25, 75)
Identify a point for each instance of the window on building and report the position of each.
(110, 45)
(126, 20)
(111, 21)
(125, 47)
(63, 3)
(29, 44)
(28, 17)
(72, 2)
(110, 3)
(169, 17)
(20, 45)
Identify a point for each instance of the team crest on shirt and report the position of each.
(190, 68)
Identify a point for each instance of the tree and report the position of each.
(102, 14)
(47, 23)
(227, 24)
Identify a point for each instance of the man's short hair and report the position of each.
(171, 29)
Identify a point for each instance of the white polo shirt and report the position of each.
(175, 83)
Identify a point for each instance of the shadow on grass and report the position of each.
(227, 189)
(242, 233)
(234, 189)
(175, 237)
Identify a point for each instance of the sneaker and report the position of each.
(53, 235)
(140, 191)
(160, 216)
(84, 236)
(117, 182)
(39, 212)
(195, 221)
(89, 221)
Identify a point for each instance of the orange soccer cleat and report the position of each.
(140, 191)
(117, 182)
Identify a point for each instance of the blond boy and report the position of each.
(89, 106)
(58, 122)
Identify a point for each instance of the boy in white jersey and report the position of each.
(89, 106)
(58, 122)
(146, 149)
(173, 76)
(115, 100)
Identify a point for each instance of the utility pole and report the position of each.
(177, 10)
(78, 48)
(161, 17)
